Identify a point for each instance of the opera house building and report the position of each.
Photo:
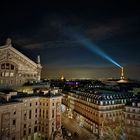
(15, 67)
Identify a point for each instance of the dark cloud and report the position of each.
(40, 28)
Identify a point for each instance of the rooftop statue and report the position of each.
(8, 41)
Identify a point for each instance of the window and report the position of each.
(2, 66)
(24, 132)
(6, 74)
(133, 104)
(42, 129)
(30, 104)
(13, 138)
(39, 128)
(29, 130)
(43, 113)
(133, 110)
(52, 113)
(35, 129)
(12, 67)
(7, 65)
(14, 112)
(30, 113)
(101, 102)
(35, 110)
(24, 125)
(52, 129)
(14, 122)
(46, 113)
(101, 115)
(2, 74)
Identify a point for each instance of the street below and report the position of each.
(77, 132)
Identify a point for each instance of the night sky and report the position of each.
(56, 30)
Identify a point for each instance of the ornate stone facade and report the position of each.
(16, 68)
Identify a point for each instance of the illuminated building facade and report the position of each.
(96, 110)
(132, 119)
(34, 116)
(16, 68)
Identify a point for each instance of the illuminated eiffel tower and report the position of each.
(122, 73)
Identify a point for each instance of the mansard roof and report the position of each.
(105, 95)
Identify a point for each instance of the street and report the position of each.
(78, 133)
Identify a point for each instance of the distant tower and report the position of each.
(122, 73)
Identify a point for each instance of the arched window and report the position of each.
(7, 66)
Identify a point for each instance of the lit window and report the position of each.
(11, 74)
(133, 104)
(112, 102)
(6, 74)
(101, 102)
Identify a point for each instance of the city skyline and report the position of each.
(43, 29)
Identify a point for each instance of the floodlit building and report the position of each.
(34, 116)
(15, 67)
(96, 111)
(132, 119)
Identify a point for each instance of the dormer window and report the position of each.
(133, 104)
